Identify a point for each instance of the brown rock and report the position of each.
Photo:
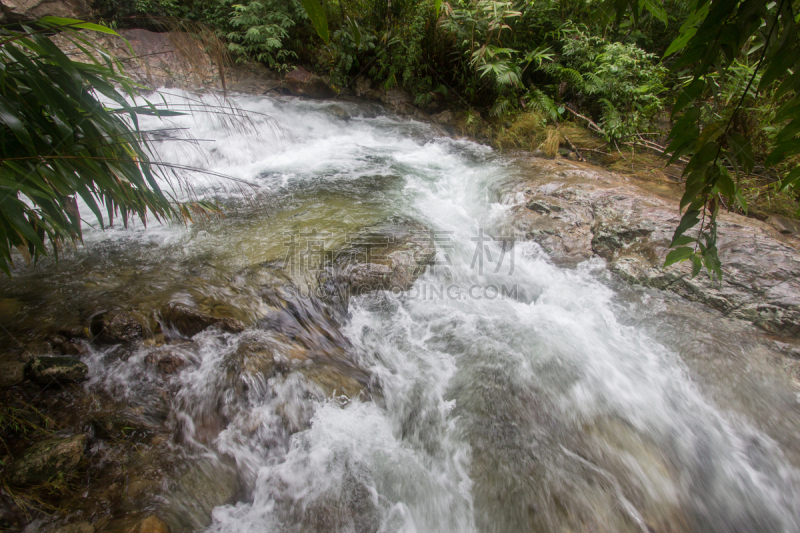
(303, 83)
(74, 332)
(167, 363)
(29, 10)
(189, 322)
(11, 373)
(399, 101)
(116, 328)
(445, 118)
(46, 459)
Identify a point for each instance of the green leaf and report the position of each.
(790, 178)
(782, 151)
(656, 9)
(317, 15)
(355, 32)
(437, 6)
(678, 255)
(683, 240)
(726, 185)
(697, 264)
(74, 23)
(689, 220)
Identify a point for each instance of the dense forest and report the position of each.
(710, 86)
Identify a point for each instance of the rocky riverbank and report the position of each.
(79, 459)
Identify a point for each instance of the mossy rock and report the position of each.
(47, 459)
(56, 369)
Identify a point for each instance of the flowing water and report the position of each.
(518, 397)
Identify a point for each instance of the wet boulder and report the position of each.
(56, 369)
(339, 112)
(47, 459)
(120, 425)
(11, 373)
(388, 256)
(116, 328)
(445, 118)
(575, 212)
(189, 322)
(399, 101)
(303, 83)
(67, 346)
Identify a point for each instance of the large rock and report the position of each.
(388, 256)
(303, 83)
(56, 369)
(189, 322)
(29, 10)
(575, 212)
(116, 328)
(11, 373)
(46, 459)
(173, 59)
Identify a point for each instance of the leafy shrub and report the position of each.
(621, 83)
(261, 27)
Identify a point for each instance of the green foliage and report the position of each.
(731, 50)
(58, 142)
(621, 83)
(349, 47)
(317, 16)
(261, 27)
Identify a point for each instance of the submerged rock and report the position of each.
(303, 83)
(56, 369)
(47, 459)
(202, 487)
(167, 362)
(339, 112)
(388, 256)
(116, 328)
(189, 322)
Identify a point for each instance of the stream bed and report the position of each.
(500, 393)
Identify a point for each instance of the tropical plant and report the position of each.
(59, 142)
(262, 27)
(716, 35)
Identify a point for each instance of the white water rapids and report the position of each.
(574, 404)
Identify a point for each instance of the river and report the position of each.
(507, 394)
